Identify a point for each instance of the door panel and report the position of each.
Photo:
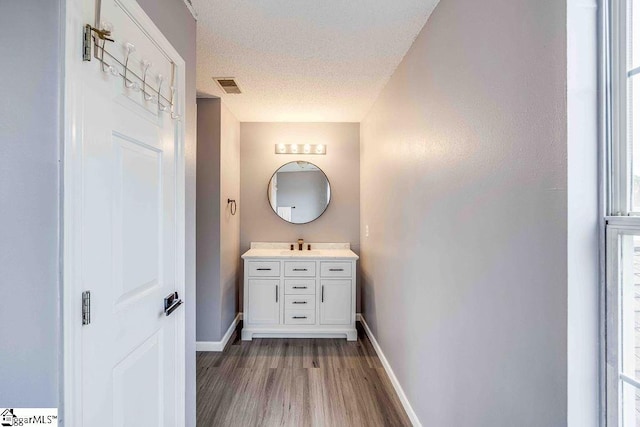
(335, 303)
(138, 217)
(138, 385)
(264, 302)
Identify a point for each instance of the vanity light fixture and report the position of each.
(301, 149)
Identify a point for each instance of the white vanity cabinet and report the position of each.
(309, 293)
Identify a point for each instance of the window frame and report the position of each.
(620, 219)
(619, 194)
(617, 228)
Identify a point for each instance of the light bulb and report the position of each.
(294, 148)
(307, 148)
(282, 148)
(320, 148)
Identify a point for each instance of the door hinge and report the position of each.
(87, 40)
(86, 307)
(86, 43)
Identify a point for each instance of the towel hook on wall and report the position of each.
(234, 206)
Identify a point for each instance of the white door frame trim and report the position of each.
(71, 398)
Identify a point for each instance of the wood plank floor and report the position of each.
(296, 382)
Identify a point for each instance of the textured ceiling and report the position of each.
(304, 60)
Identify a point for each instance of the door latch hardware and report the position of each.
(171, 302)
(86, 307)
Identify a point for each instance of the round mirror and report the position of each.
(299, 192)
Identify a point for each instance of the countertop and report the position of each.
(283, 251)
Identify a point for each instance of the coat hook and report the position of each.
(161, 107)
(130, 47)
(146, 64)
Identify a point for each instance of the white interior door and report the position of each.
(125, 181)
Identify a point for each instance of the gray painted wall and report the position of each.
(218, 232)
(30, 150)
(179, 27)
(340, 222)
(464, 190)
(208, 221)
(229, 224)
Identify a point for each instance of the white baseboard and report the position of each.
(387, 367)
(219, 345)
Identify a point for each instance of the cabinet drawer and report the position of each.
(300, 268)
(264, 268)
(335, 269)
(299, 317)
(300, 302)
(300, 286)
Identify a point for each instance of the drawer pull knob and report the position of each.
(299, 287)
(299, 302)
(299, 317)
(263, 269)
(299, 269)
(336, 269)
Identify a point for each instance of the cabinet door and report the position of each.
(335, 302)
(264, 302)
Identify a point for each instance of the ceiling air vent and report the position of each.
(228, 84)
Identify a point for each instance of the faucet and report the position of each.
(300, 243)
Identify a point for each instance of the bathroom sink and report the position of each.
(305, 253)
